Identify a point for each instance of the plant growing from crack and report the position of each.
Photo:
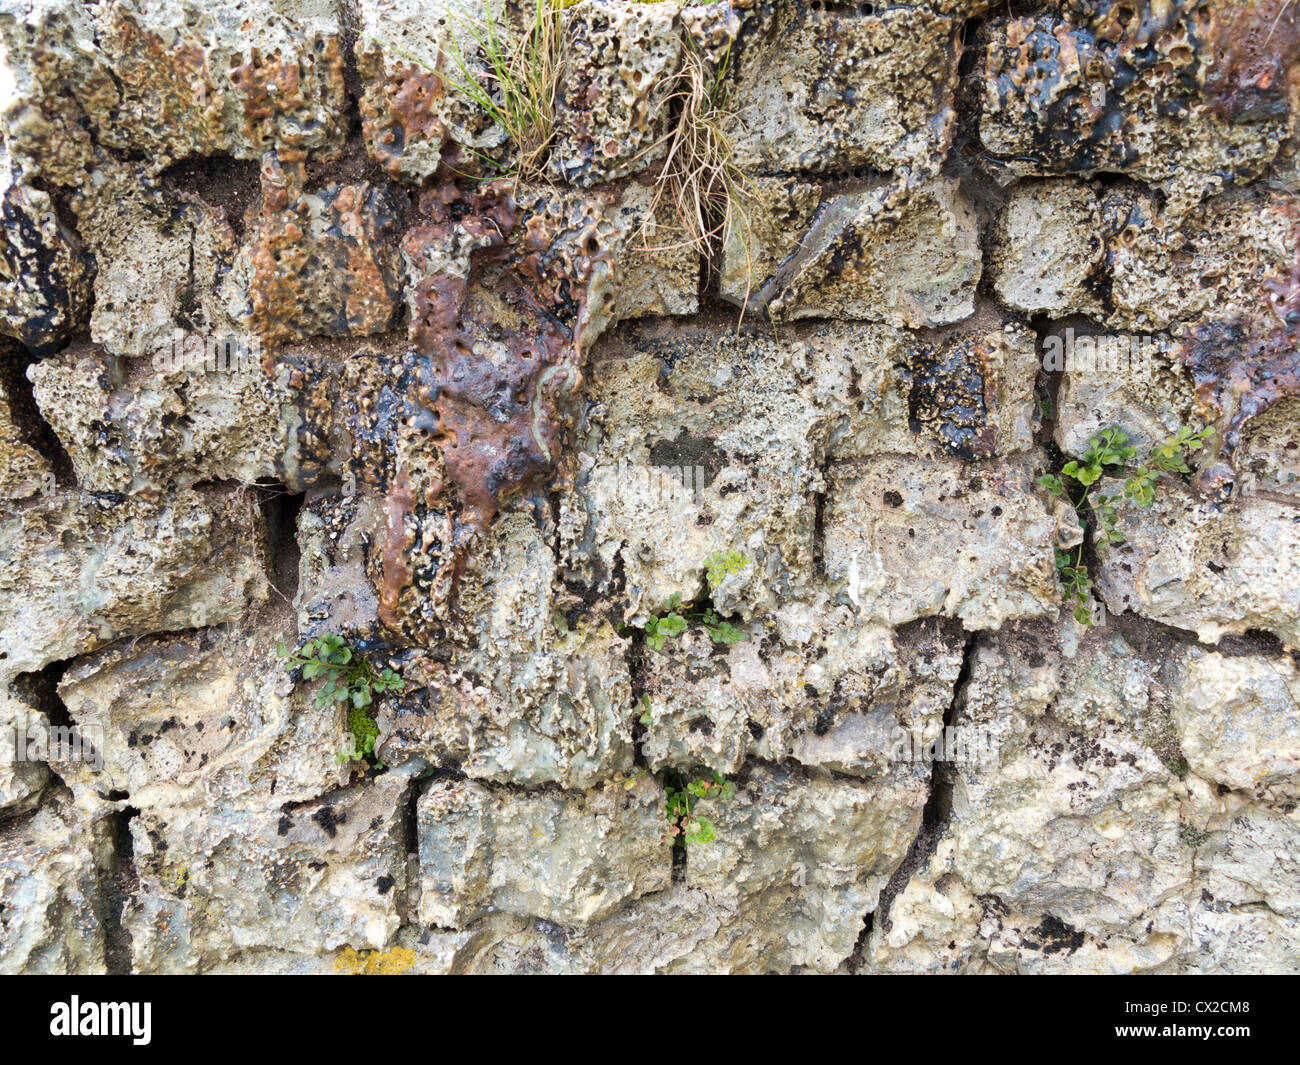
(681, 794)
(512, 70)
(721, 564)
(1111, 449)
(680, 616)
(350, 679)
(707, 188)
(685, 826)
(518, 83)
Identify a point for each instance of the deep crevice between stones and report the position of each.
(280, 509)
(33, 429)
(934, 817)
(118, 881)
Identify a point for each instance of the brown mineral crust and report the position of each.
(272, 88)
(1255, 46)
(500, 352)
(172, 85)
(279, 254)
(398, 107)
(501, 421)
(398, 541)
(334, 274)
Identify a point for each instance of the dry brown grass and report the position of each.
(707, 189)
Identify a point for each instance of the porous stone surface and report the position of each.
(1190, 97)
(479, 852)
(906, 256)
(734, 623)
(1192, 564)
(46, 280)
(1046, 247)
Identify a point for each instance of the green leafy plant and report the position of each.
(685, 826)
(347, 678)
(679, 617)
(660, 629)
(722, 564)
(1111, 449)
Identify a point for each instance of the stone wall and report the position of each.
(285, 355)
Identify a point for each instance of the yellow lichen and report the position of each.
(374, 962)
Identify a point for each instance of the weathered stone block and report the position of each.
(563, 857)
(911, 539)
(49, 880)
(1162, 98)
(1046, 248)
(201, 719)
(612, 105)
(888, 253)
(180, 417)
(216, 881)
(1205, 567)
(93, 569)
(1238, 722)
(824, 90)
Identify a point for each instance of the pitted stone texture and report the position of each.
(1117, 379)
(562, 857)
(612, 104)
(1210, 569)
(1233, 256)
(824, 689)
(655, 271)
(1017, 881)
(408, 55)
(132, 425)
(160, 258)
(1078, 851)
(216, 881)
(519, 696)
(23, 731)
(773, 217)
(680, 457)
(234, 77)
(317, 263)
(200, 720)
(96, 568)
(910, 539)
(798, 860)
(1046, 248)
(44, 280)
(824, 90)
(49, 880)
(1269, 458)
(658, 270)
(24, 471)
(62, 88)
(1238, 722)
(1103, 90)
(892, 253)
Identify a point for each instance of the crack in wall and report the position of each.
(934, 816)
